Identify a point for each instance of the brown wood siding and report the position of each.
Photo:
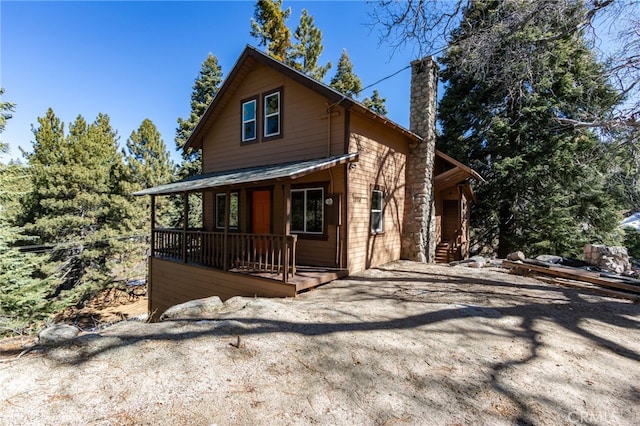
(311, 251)
(382, 162)
(173, 283)
(305, 126)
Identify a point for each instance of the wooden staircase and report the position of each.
(442, 253)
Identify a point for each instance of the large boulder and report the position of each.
(515, 256)
(194, 309)
(614, 259)
(57, 334)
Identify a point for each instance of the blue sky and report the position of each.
(137, 60)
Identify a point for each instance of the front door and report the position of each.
(261, 212)
(261, 218)
(450, 216)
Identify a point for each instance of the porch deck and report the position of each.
(305, 277)
(187, 264)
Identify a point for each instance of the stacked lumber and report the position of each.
(602, 282)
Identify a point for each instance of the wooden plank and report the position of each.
(587, 286)
(572, 273)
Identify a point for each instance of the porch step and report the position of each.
(441, 252)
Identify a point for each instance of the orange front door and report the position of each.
(261, 212)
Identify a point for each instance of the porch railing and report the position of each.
(245, 252)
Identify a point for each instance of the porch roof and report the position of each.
(271, 172)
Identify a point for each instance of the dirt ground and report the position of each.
(407, 343)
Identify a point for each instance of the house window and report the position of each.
(307, 210)
(377, 200)
(272, 116)
(221, 207)
(249, 120)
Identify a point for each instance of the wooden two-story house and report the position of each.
(302, 185)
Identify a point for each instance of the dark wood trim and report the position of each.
(324, 236)
(347, 129)
(255, 98)
(263, 96)
(345, 210)
(185, 224)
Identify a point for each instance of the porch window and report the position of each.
(272, 119)
(307, 210)
(220, 210)
(377, 200)
(249, 120)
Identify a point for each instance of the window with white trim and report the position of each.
(249, 120)
(221, 208)
(307, 210)
(377, 204)
(272, 119)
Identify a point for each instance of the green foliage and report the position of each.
(632, 242)
(269, 26)
(204, 90)
(306, 52)
(149, 165)
(546, 190)
(79, 204)
(345, 80)
(22, 290)
(376, 103)
(6, 108)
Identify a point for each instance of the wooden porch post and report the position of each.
(185, 224)
(286, 230)
(227, 215)
(153, 225)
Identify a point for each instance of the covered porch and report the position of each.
(453, 195)
(246, 245)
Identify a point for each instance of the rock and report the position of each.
(472, 262)
(57, 334)
(549, 258)
(614, 259)
(194, 309)
(515, 256)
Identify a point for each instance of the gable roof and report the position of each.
(458, 173)
(231, 178)
(245, 63)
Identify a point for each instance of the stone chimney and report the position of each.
(418, 232)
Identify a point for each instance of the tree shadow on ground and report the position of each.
(529, 303)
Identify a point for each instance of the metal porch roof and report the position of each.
(272, 172)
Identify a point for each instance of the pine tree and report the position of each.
(149, 165)
(78, 203)
(307, 50)
(23, 290)
(6, 108)
(345, 80)
(204, 90)
(269, 26)
(544, 192)
(376, 103)
(22, 301)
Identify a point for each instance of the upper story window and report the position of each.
(272, 115)
(221, 209)
(249, 120)
(377, 200)
(307, 210)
